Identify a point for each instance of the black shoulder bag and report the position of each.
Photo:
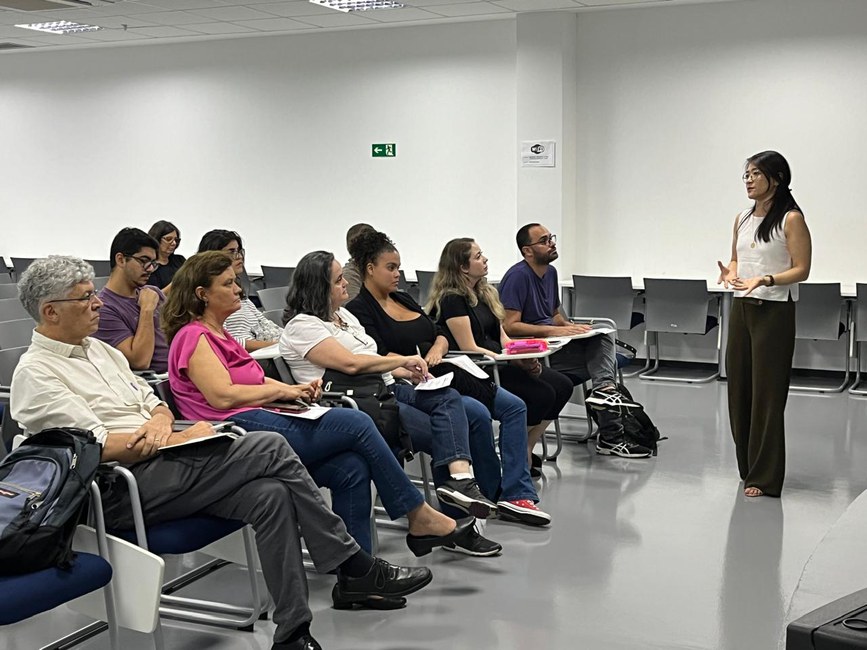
(372, 396)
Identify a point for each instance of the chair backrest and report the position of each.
(8, 360)
(283, 370)
(606, 297)
(16, 333)
(277, 276)
(676, 305)
(99, 282)
(861, 312)
(275, 316)
(12, 309)
(817, 316)
(20, 264)
(164, 391)
(5, 273)
(273, 297)
(425, 281)
(8, 290)
(402, 282)
(101, 268)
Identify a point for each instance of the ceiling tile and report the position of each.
(469, 9)
(165, 31)
(337, 19)
(174, 18)
(291, 9)
(118, 35)
(275, 25)
(220, 28)
(178, 5)
(400, 15)
(536, 5)
(232, 13)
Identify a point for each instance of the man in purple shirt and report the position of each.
(530, 292)
(130, 316)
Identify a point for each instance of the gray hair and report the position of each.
(51, 278)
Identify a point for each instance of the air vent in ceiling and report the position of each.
(44, 5)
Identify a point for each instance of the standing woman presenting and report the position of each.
(771, 252)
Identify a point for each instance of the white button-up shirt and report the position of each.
(89, 386)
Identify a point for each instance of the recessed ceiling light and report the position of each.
(358, 5)
(61, 27)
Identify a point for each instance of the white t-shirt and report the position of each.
(305, 332)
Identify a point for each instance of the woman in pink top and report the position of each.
(213, 377)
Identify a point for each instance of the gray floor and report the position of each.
(662, 553)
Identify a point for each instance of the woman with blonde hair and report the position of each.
(470, 311)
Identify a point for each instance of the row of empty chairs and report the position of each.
(670, 306)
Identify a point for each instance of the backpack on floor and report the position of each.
(637, 425)
(44, 490)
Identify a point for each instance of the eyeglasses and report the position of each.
(90, 296)
(547, 240)
(171, 240)
(234, 253)
(751, 176)
(147, 263)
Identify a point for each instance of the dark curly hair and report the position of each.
(367, 247)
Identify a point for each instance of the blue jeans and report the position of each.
(448, 420)
(343, 451)
(511, 412)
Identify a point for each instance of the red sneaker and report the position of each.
(523, 511)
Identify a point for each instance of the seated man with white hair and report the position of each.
(68, 379)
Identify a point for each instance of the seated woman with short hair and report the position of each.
(398, 325)
(248, 326)
(213, 378)
(322, 336)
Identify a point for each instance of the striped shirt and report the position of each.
(249, 323)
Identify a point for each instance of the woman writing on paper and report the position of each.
(470, 312)
(771, 254)
(213, 378)
(398, 325)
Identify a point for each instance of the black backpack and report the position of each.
(44, 490)
(637, 425)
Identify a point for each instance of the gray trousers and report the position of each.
(256, 479)
(593, 359)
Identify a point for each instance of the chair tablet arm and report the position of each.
(341, 397)
(592, 320)
(219, 425)
(478, 358)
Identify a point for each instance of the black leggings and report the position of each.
(545, 395)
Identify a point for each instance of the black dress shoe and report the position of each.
(306, 642)
(368, 603)
(536, 461)
(424, 544)
(383, 579)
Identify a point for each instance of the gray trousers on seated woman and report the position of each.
(256, 479)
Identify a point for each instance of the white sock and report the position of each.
(460, 476)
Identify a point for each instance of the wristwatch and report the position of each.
(771, 281)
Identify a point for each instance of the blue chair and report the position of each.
(24, 596)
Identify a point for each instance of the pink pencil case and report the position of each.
(525, 346)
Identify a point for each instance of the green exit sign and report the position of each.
(386, 150)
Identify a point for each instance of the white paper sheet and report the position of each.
(195, 441)
(463, 361)
(436, 382)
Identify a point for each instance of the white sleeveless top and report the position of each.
(757, 257)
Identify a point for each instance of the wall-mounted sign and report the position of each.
(537, 153)
(387, 150)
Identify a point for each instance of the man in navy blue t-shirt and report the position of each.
(530, 292)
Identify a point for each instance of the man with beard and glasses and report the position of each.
(530, 293)
(130, 317)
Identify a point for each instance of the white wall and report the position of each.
(270, 136)
(672, 100)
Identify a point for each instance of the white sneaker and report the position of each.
(610, 399)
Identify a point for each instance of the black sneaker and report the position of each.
(608, 398)
(622, 447)
(474, 544)
(465, 495)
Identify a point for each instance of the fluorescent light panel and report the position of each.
(358, 5)
(61, 27)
